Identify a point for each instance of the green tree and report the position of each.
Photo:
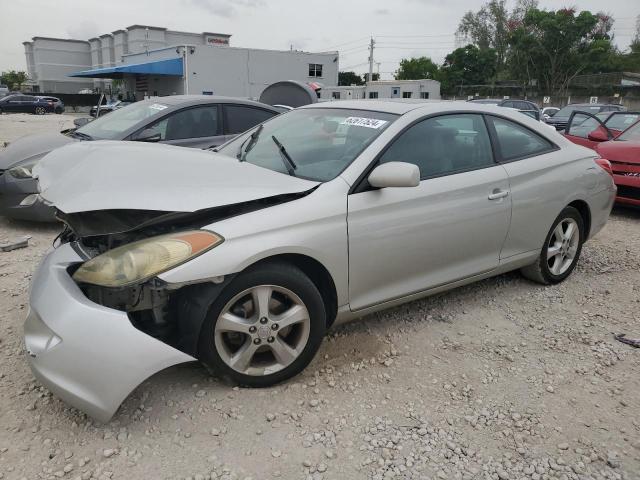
(468, 65)
(374, 77)
(349, 78)
(554, 47)
(416, 69)
(490, 26)
(13, 79)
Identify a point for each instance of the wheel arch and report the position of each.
(193, 301)
(585, 213)
(316, 272)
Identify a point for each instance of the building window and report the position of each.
(335, 95)
(406, 94)
(373, 94)
(315, 70)
(424, 95)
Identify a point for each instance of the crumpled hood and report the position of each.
(31, 146)
(107, 175)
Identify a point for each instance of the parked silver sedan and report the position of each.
(242, 259)
(196, 121)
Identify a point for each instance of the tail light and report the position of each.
(605, 165)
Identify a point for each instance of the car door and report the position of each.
(27, 104)
(452, 226)
(586, 129)
(538, 178)
(240, 118)
(12, 104)
(195, 127)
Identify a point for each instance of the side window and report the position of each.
(508, 104)
(443, 145)
(516, 141)
(189, 123)
(582, 125)
(240, 118)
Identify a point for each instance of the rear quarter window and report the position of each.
(515, 141)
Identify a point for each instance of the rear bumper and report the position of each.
(88, 355)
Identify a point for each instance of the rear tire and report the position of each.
(40, 111)
(561, 250)
(265, 327)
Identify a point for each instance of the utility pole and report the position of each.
(371, 44)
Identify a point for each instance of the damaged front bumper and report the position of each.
(19, 199)
(88, 355)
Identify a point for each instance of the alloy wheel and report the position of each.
(262, 330)
(40, 111)
(563, 246)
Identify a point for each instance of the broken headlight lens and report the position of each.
(141, 260)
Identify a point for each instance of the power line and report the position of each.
(347, 43)
(417, 36)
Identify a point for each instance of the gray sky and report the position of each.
(402, 28)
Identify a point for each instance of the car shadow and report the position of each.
(626, 212)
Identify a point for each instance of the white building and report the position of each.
(419, 89)
(155, 61)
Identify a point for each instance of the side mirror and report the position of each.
(81, 122)
(395, 174)
(598, 135)
(148, 135)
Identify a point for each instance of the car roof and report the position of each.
(188, 100)
(398, 106)
(594, 105)
(402, 106)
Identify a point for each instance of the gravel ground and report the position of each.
(503, 379)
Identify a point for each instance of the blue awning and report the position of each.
(170, 67)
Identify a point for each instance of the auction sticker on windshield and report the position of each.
(364, 122)
(157, 106)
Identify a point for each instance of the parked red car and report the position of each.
(622, 149)
(589, 130)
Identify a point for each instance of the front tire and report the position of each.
(561, 250)
(40, 111)
(265, 327)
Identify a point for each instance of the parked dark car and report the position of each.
(198, 121)
(58, 105)
(26, 104)
(108, 107)
(560, 119)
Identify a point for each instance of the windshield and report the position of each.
(569, 109)
(319, 142)
(622, 121)
(112, 126)
(631, 134)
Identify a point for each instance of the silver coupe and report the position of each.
(243, 258)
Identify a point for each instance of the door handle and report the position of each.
(497, 194)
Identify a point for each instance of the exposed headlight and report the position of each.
(141, 260)
(23, 171)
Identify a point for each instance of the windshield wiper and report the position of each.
(242, 155)
(81, 135)
(286, 158)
